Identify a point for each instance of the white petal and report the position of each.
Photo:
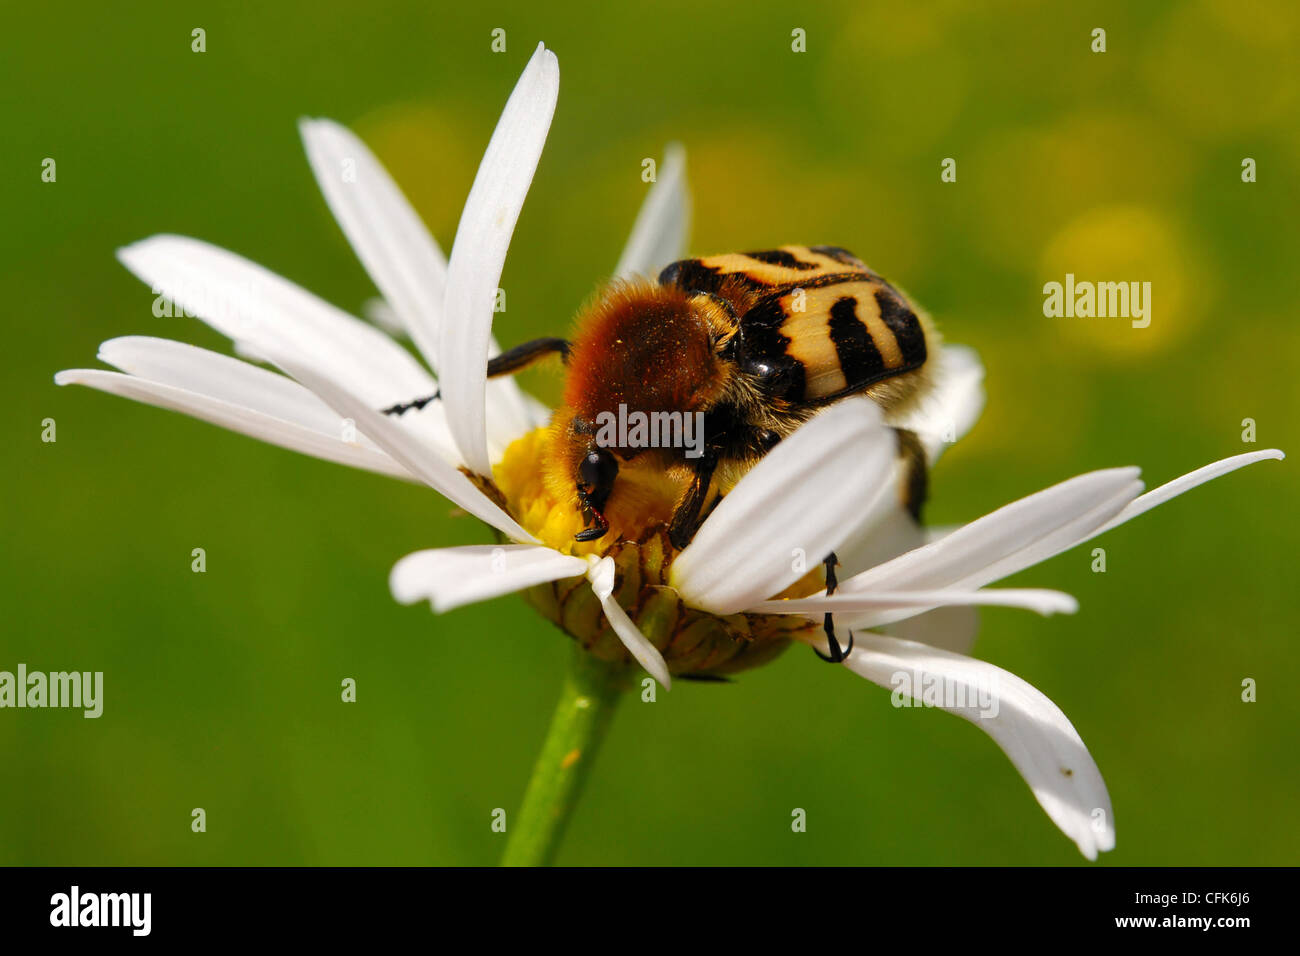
(450, 577)
(216, 375)
(248, 353)
(1172, 489)
(402, 258)
(801, 498)
(1029, 728)
(886, 532)
(942, 416)
(952, 628)
(247, 421)
(538, 412)
(220, 377)
(953, 404)
(965, 557)
(380, 313)
(387, 235)
(601, 574)
(933, 532)
(510, 413)
(1044, 602)
(663, 224)
(479, 252)
(1061, 538)
(1028, 532)
(268, 314)
(407, 448)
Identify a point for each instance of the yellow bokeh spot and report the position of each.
(430, 154)
(1033, 179)
(1128, 243)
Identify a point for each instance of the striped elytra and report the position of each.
(815, 317)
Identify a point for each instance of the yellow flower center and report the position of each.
(692, 641)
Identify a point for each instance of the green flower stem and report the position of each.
(588, 697)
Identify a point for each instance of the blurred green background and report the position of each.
(222, 689)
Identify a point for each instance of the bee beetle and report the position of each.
(755, 343)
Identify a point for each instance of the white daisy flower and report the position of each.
(742, 590)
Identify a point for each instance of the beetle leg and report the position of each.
(686, 519)
(507, 363)
(522, 356)
(837, 654)
(401, 408)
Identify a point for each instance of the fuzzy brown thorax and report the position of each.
(647, 347)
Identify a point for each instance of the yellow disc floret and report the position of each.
(691, 640)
